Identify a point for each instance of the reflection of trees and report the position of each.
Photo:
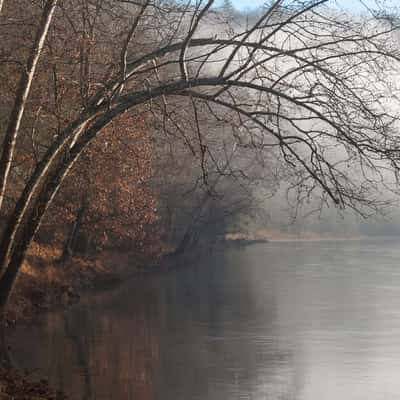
(224, 329)
(97, 351)
(120, 348)
(81, 344)
(200, 332)
(5, 357)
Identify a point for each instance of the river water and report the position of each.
(279, 321)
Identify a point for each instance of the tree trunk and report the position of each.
(23, 224)
(5, 361)
(10, 262)
(183, 245)
(71, 240)
(8, 278)
(21, 97)
(1, 5)
(169, 225)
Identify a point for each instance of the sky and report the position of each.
(355, 6)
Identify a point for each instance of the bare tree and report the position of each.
(203, 178)
(313, 86)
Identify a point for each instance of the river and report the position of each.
(279, 321)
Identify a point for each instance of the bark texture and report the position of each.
(21, 97)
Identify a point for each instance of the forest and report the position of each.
(133, 131)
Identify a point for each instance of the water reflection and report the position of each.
(298, 321)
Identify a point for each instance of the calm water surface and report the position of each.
(281, 321)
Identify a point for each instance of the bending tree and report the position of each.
(310, 86)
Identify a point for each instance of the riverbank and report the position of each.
(265, 236)
(44, 284)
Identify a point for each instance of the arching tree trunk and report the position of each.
(18, 245)
(10, 275)
(50, 173)
(361, 127)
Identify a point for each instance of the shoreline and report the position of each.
(44, 286)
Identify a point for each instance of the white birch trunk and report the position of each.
(21, 96)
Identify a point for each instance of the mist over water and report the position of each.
(188, 135)
(289, 320)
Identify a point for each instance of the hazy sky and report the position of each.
(351, 5)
